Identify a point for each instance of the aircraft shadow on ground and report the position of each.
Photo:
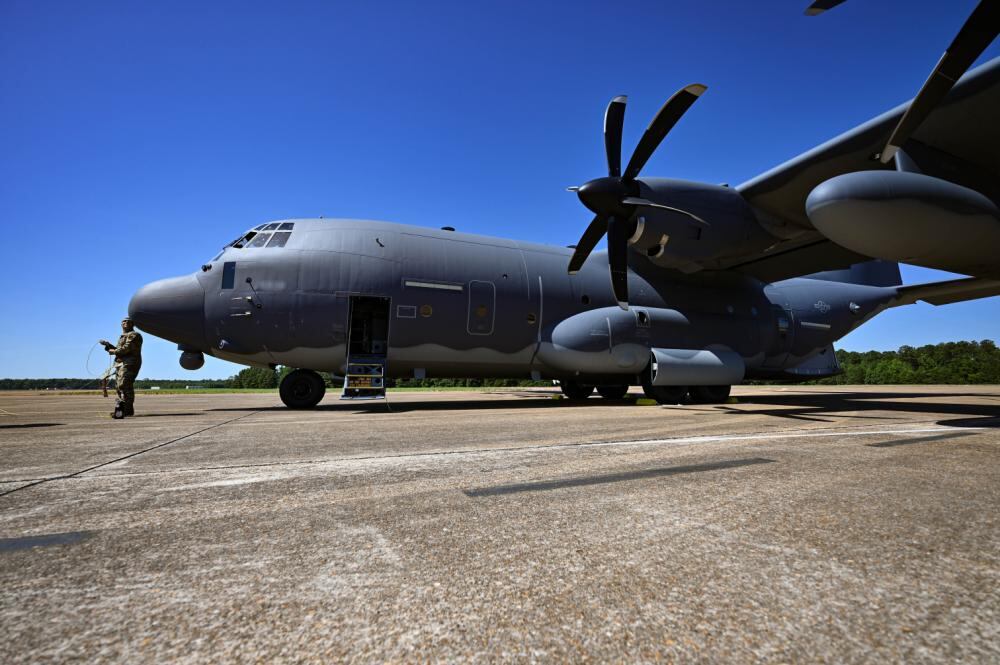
(815, 407)
(510, 401)
(985, 421)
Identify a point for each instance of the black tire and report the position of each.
(710, 394)
(666, 394)
(302, 389)
(612, 392)
(574, 390)
(662, 394)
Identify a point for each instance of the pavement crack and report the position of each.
(76, 474)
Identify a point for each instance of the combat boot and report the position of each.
(119, 411)
(128, 410)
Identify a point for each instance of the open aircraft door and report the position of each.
(367, 347)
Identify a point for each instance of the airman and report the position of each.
(128, 360)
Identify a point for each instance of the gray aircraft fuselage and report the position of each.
(685, 305)
(464, 305)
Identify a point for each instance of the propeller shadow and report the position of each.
(846, 404)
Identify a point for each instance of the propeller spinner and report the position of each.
(615, 199)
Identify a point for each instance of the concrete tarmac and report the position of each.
(820, 524)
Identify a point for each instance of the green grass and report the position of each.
(224, 391)
(436, 389)
(164, 391)
(203, 391)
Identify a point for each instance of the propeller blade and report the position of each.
(618, 259)
(595, 231)
(636, 201)
(662, 123)
(821, 6)
(614, 119)
(979, 31)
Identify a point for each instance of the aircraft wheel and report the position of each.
(662, 394)
(666, 394)
(710, 394)
(574, 390)
(302, 389)
(612, 392)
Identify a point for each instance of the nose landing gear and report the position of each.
(302, 389)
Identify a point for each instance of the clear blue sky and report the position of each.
(138, 137)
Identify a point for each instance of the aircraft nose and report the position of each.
(173, 309)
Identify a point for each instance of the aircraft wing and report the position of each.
(962, 137)
(945, 293)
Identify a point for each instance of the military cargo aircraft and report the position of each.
(709, 284)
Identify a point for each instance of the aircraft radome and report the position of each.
(709, 285)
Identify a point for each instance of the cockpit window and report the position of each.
(241, 242)
(259, 240)
(279, 239)
(255, 237)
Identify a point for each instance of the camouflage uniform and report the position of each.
(128, 357)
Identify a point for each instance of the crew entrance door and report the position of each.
(367, 348)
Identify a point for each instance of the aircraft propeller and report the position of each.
(979, 30)
(614, 199)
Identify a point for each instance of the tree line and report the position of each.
(948, 362)
(95, 384)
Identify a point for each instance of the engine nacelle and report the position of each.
(675, 240)
(908, 217)
(609, 340)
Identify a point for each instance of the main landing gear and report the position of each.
(679, 394)
(577, 391)
(696, 394)
(302, 389)
(709, 394)
(612, 392)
